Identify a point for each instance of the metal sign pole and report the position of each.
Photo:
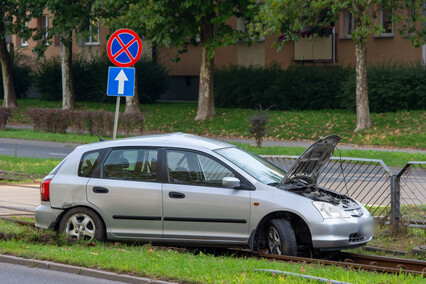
(117, 110)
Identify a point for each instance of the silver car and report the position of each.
(183, 189)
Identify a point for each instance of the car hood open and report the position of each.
(308, 166)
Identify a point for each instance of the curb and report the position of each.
(100, 274)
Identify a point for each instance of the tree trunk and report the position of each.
(6, 68)
(132, 103)
(362, 108)
(68, 96)
(206, 89)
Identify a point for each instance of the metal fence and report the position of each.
(410, 193)
(388, 197)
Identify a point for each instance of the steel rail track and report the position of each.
(346, 260)
(362, 261)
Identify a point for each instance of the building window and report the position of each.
(24, 41)
(44, 28)
(93, 37)
(386, 22)
(242, 24)
(349, 24)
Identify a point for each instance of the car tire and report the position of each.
(280, 238)
(82, 224)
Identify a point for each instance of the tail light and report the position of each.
(44, 190)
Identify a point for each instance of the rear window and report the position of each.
(88, 163)
(56, 169)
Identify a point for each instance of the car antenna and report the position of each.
(100, 139)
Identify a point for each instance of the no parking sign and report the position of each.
(124, 48)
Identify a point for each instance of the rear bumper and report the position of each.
(46, 216)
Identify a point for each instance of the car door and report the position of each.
(128, 193)
(196, 206)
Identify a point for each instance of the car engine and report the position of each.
(325, 195)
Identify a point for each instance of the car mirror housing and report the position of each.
(230, 182)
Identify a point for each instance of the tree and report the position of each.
(13, 19)
(180, 23)
(69, 17)
(292, 16)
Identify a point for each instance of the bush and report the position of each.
(298, 87)
(90, 79)
(21, 80)
(4, 116)
(390, 88)
(50, 119)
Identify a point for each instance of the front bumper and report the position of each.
(46, 216)
(336, 234)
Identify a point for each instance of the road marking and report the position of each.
(58, 154)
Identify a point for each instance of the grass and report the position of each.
(31, 166)
(173, 264)
(399, 129)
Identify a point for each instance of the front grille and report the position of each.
(355, 237)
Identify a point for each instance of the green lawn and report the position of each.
(399, 129)
(173, 264)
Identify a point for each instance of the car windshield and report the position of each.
(254, 165)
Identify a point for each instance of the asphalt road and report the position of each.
(18, 274)
(38, 149)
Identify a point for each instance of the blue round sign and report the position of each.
(124, 48)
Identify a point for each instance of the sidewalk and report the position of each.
(19, 199)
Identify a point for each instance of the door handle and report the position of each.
(98, 189)
(174, 194)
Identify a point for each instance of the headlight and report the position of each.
(329, 211)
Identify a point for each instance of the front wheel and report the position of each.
(281, 238)
(82, 224)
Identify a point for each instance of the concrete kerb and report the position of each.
(100, 274)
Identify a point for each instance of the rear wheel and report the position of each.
(281, 238)
(82, 224)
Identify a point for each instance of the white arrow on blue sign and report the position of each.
(121, 81)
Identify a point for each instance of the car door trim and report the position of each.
(205, 220)
(144, 218)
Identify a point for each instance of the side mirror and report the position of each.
(230, 182)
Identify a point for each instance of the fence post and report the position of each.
(395, 199)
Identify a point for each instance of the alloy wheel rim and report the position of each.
(80, 227)
(274, 241)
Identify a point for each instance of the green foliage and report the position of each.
(21, 80)
(152, 80)
(178, 23)
(90, 79)
(298, 87)
(390, 88)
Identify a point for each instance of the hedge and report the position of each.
(391, 88)
(90, 79)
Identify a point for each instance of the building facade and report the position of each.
(333, 48)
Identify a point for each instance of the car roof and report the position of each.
(176, 140)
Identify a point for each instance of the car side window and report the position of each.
(131, 164)
(185, 167)
(88, 163)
